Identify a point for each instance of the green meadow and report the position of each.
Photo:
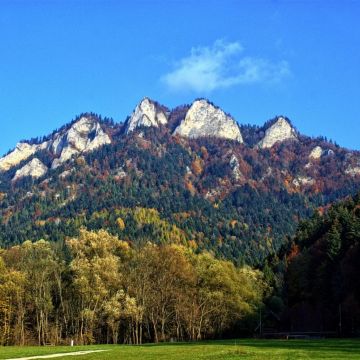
(210, 350)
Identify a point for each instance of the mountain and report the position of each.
(190, 175)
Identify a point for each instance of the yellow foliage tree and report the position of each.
(120, 223)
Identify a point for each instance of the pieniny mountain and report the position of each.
(188, 175)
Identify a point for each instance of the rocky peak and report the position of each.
(205, 120)
(21, 152)
(280, 131)
(84, 135)
(146, 114)
(35, 168)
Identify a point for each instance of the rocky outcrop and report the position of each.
(205, 120)
(280, 131)
(66, 173)
(35, 168)
(235, 167)
(303, 181)
(353, 171)
(22, 152)
(146, 114)
(316, 153)
(329, 152)
(83, 136)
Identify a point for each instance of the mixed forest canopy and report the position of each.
(194, 187)
(323, 270)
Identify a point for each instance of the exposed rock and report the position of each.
(303, 181)
(235, 167)
(146, 114)
(205, 120)
(212, 194)
(85, 135)
(280, 131)
(65, 155)
(316, 153)
(329, 152)
(353, 171)
(66, 173)
(22, 152)
(120, 173)
(35, 168)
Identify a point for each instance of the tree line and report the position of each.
(96, 288)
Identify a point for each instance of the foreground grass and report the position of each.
(212, 350)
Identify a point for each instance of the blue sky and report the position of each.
(255, 59)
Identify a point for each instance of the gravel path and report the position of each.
(75, 353)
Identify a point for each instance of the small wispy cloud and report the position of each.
(222, 65)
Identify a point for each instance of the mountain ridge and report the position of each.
(237, 200)
(286, 130)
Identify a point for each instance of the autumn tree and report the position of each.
(96, 265)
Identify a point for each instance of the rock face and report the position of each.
(205, 120)
(280, 131)
(235, 167)
(316, 153)
(35, 168)
(146, 114)
(22, 152)
(85, 135)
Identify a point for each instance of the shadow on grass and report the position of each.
(328, 345)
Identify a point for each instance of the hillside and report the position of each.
(322, 274)
(190, 175)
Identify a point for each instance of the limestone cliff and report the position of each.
(83, 136)
(22, 152)
(35, 168)
(146, 114)
(205, 120)
(280, 131)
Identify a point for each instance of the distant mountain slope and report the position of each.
(193, 173)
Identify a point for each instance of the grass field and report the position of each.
(227, 350)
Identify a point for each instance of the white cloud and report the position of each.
(220, 66)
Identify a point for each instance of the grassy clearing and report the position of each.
(212, 350)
